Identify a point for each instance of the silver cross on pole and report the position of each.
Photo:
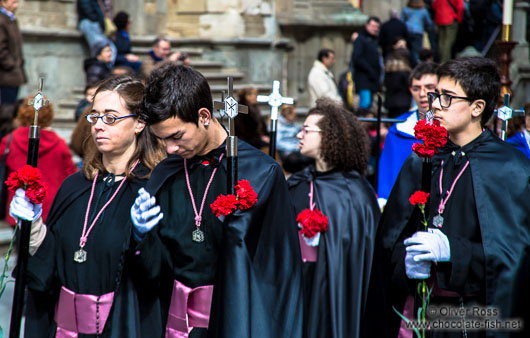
(505, 113)
(274, 100)
(231, 108)
(23, 250)
(38, 101)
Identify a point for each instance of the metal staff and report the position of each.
(275, 100)
(229, 107)
(23, 249)
(505, 113)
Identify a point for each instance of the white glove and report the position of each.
(21, 207)
(145, 214)
(415, 269)
(433, 246)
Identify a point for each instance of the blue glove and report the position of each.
(145, 214)
(21, 207)
(415, 269)
(433, 246)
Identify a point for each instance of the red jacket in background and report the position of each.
(444, 14)
(55, 162)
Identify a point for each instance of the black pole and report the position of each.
(377, 139)
(23, 248)
(272, 142)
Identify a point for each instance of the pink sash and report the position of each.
(309, 253)
(77, 313)
(189, 308)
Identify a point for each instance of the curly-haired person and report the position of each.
(337, 257)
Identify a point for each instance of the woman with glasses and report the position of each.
(337, 257)
(78, 278)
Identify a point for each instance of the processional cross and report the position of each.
(23, 251)
(274, 100)
(505, 113)
(231, 108)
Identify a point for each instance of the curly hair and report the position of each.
(26, 114)
(345, 143)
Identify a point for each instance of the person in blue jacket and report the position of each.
(400, 137)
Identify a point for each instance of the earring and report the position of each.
(207, 123)
(137, 132)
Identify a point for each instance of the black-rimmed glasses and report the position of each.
(107, 118)
(444, 99)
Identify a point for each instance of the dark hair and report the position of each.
(99, 46)
(425, 54)
(175, 91)
(373, 18)
(422, 69)
(415, 4)
(345, 143)
(479, 78)
(121, 20)
(324, 53)
(149, 149)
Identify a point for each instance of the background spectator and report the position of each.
(287, 144)
(92, 25)
(397, 73)
(367, 63)
(251, 127)
(447, 15)
(12, 73)
(90, 90)
(97, 68)
(122, 41)
(321, 82)
(391, 29)
(159, 55)
(418, 21)
(55, 159)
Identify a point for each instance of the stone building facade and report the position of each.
(264, 40)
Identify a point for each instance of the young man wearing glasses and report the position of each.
(478, 216)
(400, 137)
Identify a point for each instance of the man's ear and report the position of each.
(205, 117)
(478, 107)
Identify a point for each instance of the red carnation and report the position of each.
(312, 222)
(36, 193)
(224, 205)
(423, 151)
(419, 197)
(29, 179)
(433, 136)
(245, 194)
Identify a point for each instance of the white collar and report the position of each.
(407, 126)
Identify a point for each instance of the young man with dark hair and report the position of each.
(400, 137)
(478, 216)
(243, 277)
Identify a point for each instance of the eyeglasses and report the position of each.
(306, 130)
(445, 99)
(107, 118)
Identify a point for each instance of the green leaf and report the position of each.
(414, 328)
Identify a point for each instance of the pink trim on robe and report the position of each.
(309, 253)
(189, 308)
(77, 313)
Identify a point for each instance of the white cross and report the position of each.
(275, 99)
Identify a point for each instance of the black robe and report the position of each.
(252, 258)
(335, 286)
(500, 185)
(106, 268)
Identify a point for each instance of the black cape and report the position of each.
(51, 261)
(258, 286)
(337, 283)
(501, 177)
